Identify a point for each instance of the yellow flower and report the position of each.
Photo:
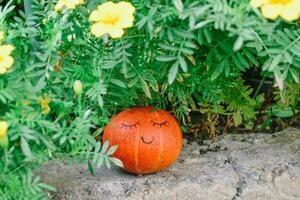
(70, 4)
(44, 102)
(271, 9)
(112, 18)
(3, 133)
(24, 103)
(6, 61)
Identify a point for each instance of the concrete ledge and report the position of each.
(244, 166)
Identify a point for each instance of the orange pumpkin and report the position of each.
(149, 140)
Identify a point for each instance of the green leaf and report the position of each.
(190, 44)
(238, 43)
(111, 150)
(118, 83)
(172, 73)
(243, 61)
(168, 47)
(237, 118)
(227, 68)
(91, 168)
(133, 81)
(25, 148)
(201, 24)
(47, 142)
(192, 21)
(250, 57)
(178, 5)
(266, 64)
(187, 51)
(104, 147)
(200, 10)
(47, 187)
(116, 161)
(146, 89)
(109, 65)
(208, 35)
(90, 139)
(182, 64)
(295, 74)
(275, 62)
(219, 69)
(166, 58)
(279, 79)
(100, 101)
(107, 162)
(99, 162)
(184, 34)
(282, 112)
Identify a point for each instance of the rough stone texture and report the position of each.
(244, 166)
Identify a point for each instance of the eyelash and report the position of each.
(130, 126)
(159, 124)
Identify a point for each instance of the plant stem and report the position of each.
(260, 85)
(79, 104)
(28, 14)
(5, 161)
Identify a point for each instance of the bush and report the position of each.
(192, 56)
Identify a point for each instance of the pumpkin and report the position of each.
(148, 140)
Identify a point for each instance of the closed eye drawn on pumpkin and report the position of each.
(130, 126)
(159, 124)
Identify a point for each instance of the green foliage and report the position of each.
(180, 55)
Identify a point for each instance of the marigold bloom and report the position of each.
(44, 102)
(3, 133)
(6, 61)
(271, 9)
(70, 4)
(112, 18)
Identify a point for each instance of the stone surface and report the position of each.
(244, 166)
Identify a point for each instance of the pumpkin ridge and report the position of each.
(180, 136)
(160, 141)
(137, 147)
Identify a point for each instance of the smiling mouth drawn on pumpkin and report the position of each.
(149, 141)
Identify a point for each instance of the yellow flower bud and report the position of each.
(23, 102)
(44, 102)
(78, 87)
(3, 134)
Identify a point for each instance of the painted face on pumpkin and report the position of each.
(148, 140)
(137, 125)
